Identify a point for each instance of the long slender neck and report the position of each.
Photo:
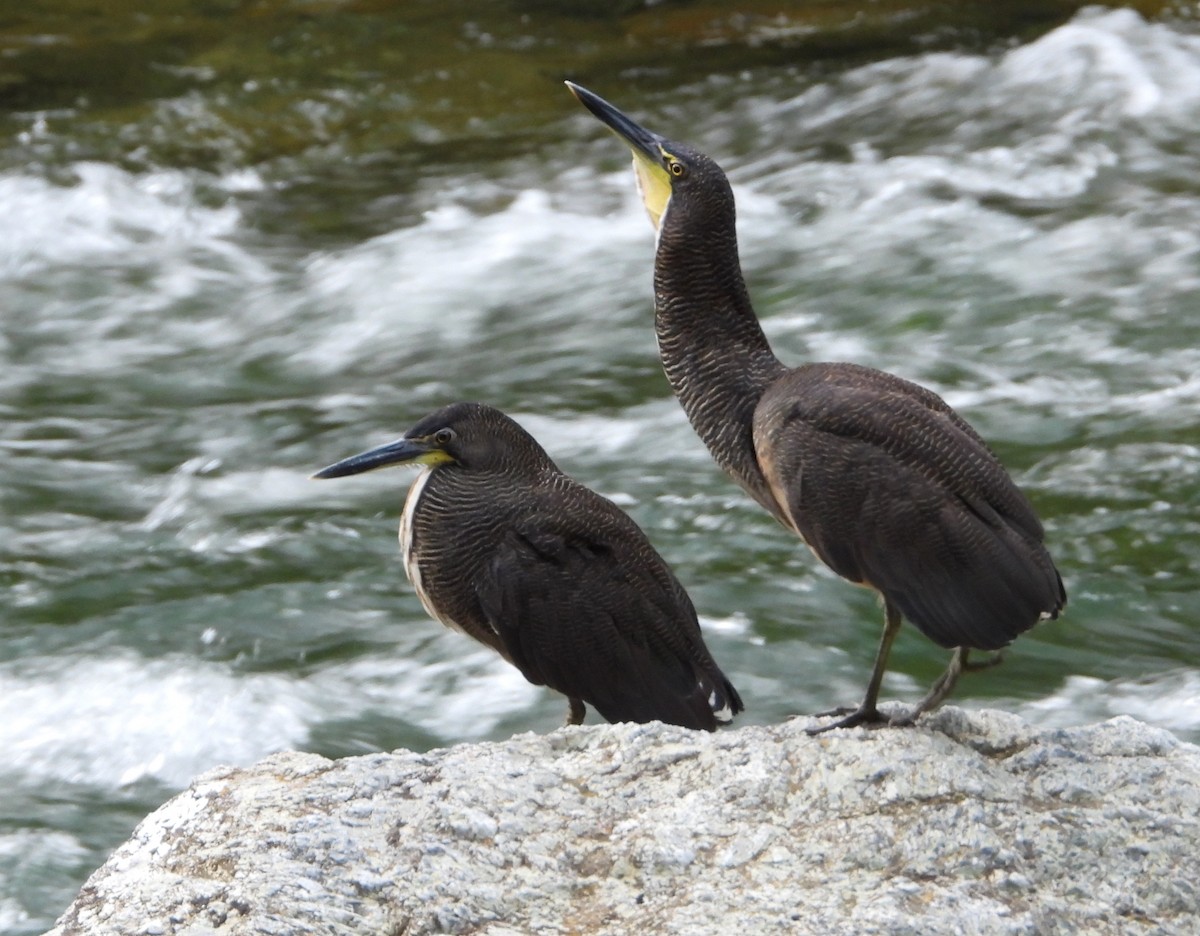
(712, 346)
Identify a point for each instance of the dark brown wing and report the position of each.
(890, 487)
(597, 615)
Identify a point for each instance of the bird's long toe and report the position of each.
(906, 719)
(840, 710)
(863, 715)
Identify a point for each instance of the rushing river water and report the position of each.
(191, 327)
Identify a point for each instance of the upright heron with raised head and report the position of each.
(502, 546)
(884, 482)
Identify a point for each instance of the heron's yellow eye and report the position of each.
(443, 436)
(678, 169)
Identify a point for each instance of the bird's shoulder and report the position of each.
(888, 418)
(566, 524)
(860, 402)
(559, 506)
(836, 391)
(586, 568)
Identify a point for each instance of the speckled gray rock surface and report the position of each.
(969, 823)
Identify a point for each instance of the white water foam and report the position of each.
(433, 282)
(1170, 700)
(107, 214)
(1047, 125)
(114, 720)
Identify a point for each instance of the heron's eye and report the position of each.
(678, 169)
(443, 436)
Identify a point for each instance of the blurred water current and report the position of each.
(1018, 230)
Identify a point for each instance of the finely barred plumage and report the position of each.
(880, 477)
(555, 578)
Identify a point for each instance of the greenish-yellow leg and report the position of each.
(867, 713)
(945, 684)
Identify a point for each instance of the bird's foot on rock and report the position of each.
(840, 710)
(906, 719)
(863, 715)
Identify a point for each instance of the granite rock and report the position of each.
(971, 822)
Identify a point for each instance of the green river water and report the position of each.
(239, 241)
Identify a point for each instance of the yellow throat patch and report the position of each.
(654, 185)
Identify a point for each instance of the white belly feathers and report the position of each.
(411, 566)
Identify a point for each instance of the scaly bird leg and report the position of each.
(941, 688)
(867, 713)
(576, 711)
(945, 683)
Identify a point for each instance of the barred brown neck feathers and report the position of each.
(713, 349)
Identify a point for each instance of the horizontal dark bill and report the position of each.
(400, 452)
